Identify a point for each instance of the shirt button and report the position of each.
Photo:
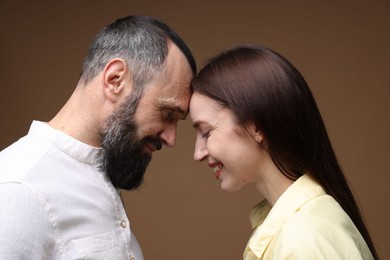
(133, 258)
(123, 223)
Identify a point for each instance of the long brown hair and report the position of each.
(261, 87)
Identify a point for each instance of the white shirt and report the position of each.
(56, 204)
(304, 223)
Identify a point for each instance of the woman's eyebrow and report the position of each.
(197, 123)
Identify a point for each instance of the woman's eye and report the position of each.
(206, 134)
(204, 131)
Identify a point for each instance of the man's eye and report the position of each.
(169, 115)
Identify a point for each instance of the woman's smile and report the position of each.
(217, 168)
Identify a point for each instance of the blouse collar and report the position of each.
(270, 220)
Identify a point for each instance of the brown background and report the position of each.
(341, 48)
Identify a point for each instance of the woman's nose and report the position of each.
(200, 152)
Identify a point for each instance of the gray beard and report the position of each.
(123, 158)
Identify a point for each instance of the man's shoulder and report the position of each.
(20, 157)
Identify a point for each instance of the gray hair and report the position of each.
(141, 41)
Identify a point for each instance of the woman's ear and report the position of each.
(115, 78)
(256, 133)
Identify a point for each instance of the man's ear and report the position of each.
(116, 77)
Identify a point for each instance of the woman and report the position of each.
(258, 123)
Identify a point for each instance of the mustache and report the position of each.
(156, 142)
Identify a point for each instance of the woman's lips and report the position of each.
(217, 169)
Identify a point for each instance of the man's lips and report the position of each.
(217, 168)
(153, 145)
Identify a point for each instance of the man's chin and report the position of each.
(128, 183)
(131, 176)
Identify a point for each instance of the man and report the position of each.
(59, 185)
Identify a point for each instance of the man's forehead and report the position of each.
(179, 105)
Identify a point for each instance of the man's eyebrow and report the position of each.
(176, 109)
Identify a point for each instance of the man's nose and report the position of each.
(168, 135)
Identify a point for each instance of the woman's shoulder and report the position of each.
(321, 212)
(319, 226)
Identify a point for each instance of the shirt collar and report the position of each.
(269, 220)
(72, 147)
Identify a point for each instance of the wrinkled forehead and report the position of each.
(174, 82)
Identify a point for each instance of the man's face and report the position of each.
(141, 126)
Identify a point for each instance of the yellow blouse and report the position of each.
(305, 223)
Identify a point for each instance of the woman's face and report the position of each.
(229, 149)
